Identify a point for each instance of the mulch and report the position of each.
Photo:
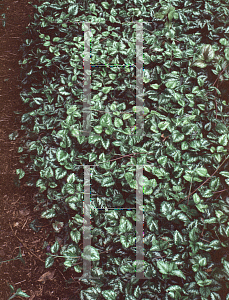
(17, 203)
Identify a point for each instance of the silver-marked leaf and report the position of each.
(224, 173)
(179, 273)
(73, 9)
(178, 238)
(20, 293)
(106, 89)
(177, 136)
(155, 86)
(203, 172)
(60, 173)
(127, 241)
(109, 294)
(71, 178)
(118, 122)
(20, 172)
(75, 235)
(49, 261)
(107, 181)
(48, 214)
(94, 138)
(125, 225)
(90, 253)
(105, 120)
(55, 247)
(98, 129)
(171, 84)
(61, 155)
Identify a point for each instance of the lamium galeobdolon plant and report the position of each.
(183, 151)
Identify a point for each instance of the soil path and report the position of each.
(16, 203)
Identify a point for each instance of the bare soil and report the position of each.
(16, 202)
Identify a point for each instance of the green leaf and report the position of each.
(61, 155)
(223, 140)
(98, 129)
(118, 122)
(105, 144)
(155, 86)
(200, 64)
(208, 52)
(48, 214)
(71, 178)
(74, 130)
(226, 52)
(163, 125)
(20, 172)
(197, 199)
(90, 253)
(78, 219)
(105, 5)
(125, 225)
(60, 173)
(105, 120)
(127, 241)
(178, 238)
(221, 128)
(162, 160)
(202, 207)
(38, 100)
(94, 138)
(163, 266)
(214, 184)
(203, 262)
(13, 135)
(202, 172)
(226, 266)
(92, 157)
(106, 89)
(75, 236)
(223, 41)
(78, 269)
(113, 106)
(73, 9)
(178, 273)
(171, 84)
(69, 188)
(57, 226)
(224, 173)
(55, 247)
(177, 136)
(47, 43)
(109, 294)
(20, 293)
(184, 145)
(205, 292)
(126, 116)
(107, 181)
(129, 176)
(112, 19)
(49, 261)
(188, 178)
(48, 172)
(200, 81)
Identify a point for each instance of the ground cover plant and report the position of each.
(184, 149)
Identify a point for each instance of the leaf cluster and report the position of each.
(183, 151)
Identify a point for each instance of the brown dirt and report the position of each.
(16, 203)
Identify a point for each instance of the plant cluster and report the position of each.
(184, 148)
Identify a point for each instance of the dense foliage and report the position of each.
(184, 149)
